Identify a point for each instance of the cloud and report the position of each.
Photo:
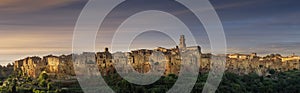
(237, 4)
(20, 6)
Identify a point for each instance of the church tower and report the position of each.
(182, 44)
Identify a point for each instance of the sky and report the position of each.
(38, 28)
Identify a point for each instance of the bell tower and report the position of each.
(182, 44)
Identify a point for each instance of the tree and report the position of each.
(43, 83)
(43, 76)
(272, 71)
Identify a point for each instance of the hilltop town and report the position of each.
(61, 67)
(59, 74)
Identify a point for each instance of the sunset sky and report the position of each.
(42, 27)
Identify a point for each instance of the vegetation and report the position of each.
(277, 82)
(283, 82)
(43, 84)
(5, 71)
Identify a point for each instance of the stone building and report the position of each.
(104, 62)
(32, 66)
(290, 58)
(67, 65)
(17, 66)
(85, 64)
(53, 64)
(140, 60)
(122, 61)
(56, 67)
(59, 66)
(174, 61)
(242, 56)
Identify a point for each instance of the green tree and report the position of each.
(43, 76)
